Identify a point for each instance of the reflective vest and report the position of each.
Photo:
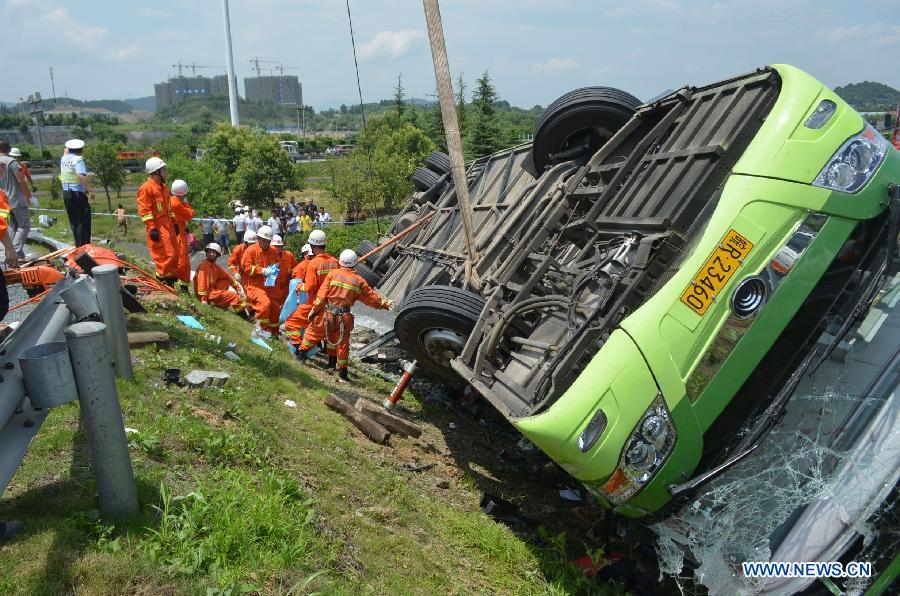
(67, 174)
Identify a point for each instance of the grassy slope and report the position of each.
(274, 495)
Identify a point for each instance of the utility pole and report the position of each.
(37, 113)
(451, 128)
(229, 63)
(53, 86)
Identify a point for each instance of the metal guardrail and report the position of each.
(38, 370)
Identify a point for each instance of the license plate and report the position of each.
(715, 273)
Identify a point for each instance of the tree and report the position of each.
(485, 136)
(434, 126)
(399, 101)
(100, 157)
(461, 111)
(264, 173)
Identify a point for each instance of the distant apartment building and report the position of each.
(284, 89)
(177, 89)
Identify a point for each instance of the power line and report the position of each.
(362, 110)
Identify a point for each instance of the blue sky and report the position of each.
(535, 50)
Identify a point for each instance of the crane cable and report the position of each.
(362, 110)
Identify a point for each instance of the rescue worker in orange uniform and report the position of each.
(313, 273)
(330, 316)
(286, 264)
(259, 262)
(155, 210)
(234, 260)
(212, 283)
(11, 256)
(183, 213)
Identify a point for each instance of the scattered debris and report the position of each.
(190, 321)
(443, 484)
(388, 420)
(452, 425)
(289, 403)
(8, 529)
(129, 430)
(206, 378)
(526, 446)
(570, 495)
(503, 511)
(261, 343)
(417, 468)
(232, 356)
(172, 376)
(369, 427)
(216, 339)
(140, 339)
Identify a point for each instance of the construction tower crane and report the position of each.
(193, 66)
(256, 61)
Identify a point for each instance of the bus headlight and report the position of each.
(647, 449)
(855, 162)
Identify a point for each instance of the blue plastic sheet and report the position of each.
(293, 301)
(190, 321)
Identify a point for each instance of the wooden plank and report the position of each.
(390, 421)
(369, 427)
(139, 339)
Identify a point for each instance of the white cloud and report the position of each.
(390, 43)
(30, 22)
(878, 34)
(153, 12)
(123, 53)
(555, 64)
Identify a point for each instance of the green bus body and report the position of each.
(656, 349)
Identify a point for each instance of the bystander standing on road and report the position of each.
(306, 223)
(275, 222)
(324, 217)
(240, 225)
(292, 222)
(26, 171)
(255, 222)
(18, 193)
(77, 192)
(206, 225)
(222, 228)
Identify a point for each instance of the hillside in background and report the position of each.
(869, 96)
(146, 104)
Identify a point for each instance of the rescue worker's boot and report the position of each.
(343, 377)
(332, 363)
(302, 356)
(183, 287)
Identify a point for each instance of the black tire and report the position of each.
(365, 246)
(441, 310)
(439, 162)
(588, 115)
(366, 272)
(424, 179)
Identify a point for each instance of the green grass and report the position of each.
(239, 493)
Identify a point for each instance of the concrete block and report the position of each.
(206, 378)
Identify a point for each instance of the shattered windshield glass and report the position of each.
(823, 479)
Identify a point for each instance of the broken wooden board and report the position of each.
(386, 419)
(369, 427)
(140, 339)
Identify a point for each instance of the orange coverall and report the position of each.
(183, 212)
(234, 260)
(4, 214)
(260, 297)
(311, 272)
(155, 210)
(340, 289)
(287, 262)
(211, 284)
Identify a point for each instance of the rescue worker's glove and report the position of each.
(268, 270)
(154, 234)
(237, 277)
(389, 305)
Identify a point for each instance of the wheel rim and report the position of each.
(443, 345)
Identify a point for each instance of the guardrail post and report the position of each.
(109, 296)
(102, 417)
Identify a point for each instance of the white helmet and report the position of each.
(307, 249)
(277, 240)
(215, 247)
(348, 258)
(74, 144)
(264, 233)
(14, 152)
(179, 188)
(249, 236)
(153, 164)
(317, 238)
